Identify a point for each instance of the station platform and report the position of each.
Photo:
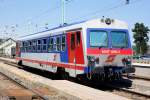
(8, 59)
(146, 65)
(56, 89)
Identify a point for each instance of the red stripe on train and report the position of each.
(52, 63)
(109, 51)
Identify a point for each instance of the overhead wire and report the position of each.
(118, 5)
(105, 9)
(42, 14)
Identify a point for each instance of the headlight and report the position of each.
(126, 61)
(93, 59)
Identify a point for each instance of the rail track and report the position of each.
(40, 94)
(11, 90)
(138, 77)
(122, 88)
(129, 93)
(112, 87)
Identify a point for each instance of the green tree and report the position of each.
(140, 35)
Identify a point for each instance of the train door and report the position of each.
(75, 48)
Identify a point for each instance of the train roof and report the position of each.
(95, 23)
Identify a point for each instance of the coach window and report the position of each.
(44, 45)
(51, 44)
(63, 43)
(30, 45)
(39, 45)
(54, 44)
(58, 48)
(21, 46)
(23, 43)
(25, 46)
(34, 45)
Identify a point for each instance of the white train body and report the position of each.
(73, 48)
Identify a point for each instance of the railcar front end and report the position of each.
(109, 53)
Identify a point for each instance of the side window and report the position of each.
(63, 43)
(34, 45)
(44, 44)
(30, 45)
(21, 46)
(58, 48)
(39, 45)
(23, 43)
(51, 42)
(54, 44)
(25, 46)
(72, 41)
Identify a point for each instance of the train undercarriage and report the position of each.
(107, 73)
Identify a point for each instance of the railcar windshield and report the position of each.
(98, 38)
(119, 39)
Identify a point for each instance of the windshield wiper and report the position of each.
(101, 47)
(122, 47)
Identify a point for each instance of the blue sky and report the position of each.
(27, 14)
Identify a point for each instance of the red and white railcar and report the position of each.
(99, 47)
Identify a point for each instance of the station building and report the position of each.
(7, 47)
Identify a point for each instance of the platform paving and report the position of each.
(56, 89)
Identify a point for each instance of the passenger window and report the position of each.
(25, 46)
(63, 43)
(39, 45)
(21, 46)
(78, 38)
(51, 44)
(30, 44)
(44, 41)
(58, 48)
(34, 46)
(72, 41)
(54, 44)
(44, 45)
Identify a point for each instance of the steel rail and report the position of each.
(18, 81)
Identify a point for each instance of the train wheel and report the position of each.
(20, 63)
(65, 76)
(61, 74)
(113, 77)
(82, 77)
(103, 77)
(120, 76)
